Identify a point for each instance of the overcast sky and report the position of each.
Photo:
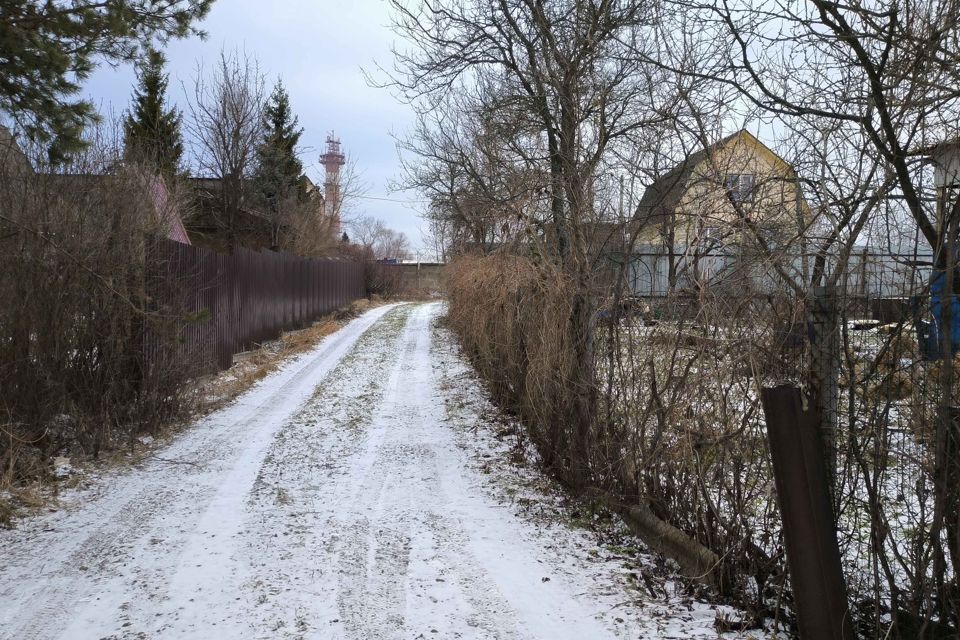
(319, 47)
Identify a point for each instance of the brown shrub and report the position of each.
(666, 431)
(74, 316)
(512, 317)
(381, 279)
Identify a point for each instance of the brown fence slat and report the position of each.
(229, 303)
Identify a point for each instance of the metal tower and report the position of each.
(332, 160)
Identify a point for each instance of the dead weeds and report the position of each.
(253, 366)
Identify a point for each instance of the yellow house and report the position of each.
(735, 191)
(720, 216)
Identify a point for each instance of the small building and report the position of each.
(946, 162)
(15, 165)
(715, 215)
(253, 225)
(719, 192)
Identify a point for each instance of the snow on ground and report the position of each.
(362, 491)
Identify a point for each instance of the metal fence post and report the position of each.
(813, 554)
(825, 374)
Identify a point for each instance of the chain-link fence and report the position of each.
(684, 369)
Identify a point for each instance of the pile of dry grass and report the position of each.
(354, 309)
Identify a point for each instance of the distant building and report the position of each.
(254, 227)
(714, 194)
(15, 165)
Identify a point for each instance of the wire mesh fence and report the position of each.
(683, 370)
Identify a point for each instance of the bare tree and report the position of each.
(350, 188)
(380, 241)
(475, 161)
(437, 236)
(886, 70)
(226, 122)
(860, 93)
(559, 77)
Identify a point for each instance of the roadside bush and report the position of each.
(676, 442)
(74, 315)
(511, 317)
(381, 279)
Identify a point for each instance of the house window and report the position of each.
(739, 186)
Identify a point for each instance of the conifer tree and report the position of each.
(279, 168)
(151, 130)
(48, 48)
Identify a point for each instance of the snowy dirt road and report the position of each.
(349, 495)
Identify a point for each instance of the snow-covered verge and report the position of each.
(75, 573)
(72, 467)
(359, 492)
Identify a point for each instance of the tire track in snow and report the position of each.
(306, 467)
(408, 567)
(345, 513)
(50, 565)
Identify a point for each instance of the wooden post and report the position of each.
(813, 554)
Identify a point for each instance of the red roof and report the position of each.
(167, 213)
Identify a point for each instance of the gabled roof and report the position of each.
(167, 211)
(152, 189)
(945, 145)
(661, 198)
(12, 158)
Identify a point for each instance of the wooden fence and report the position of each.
(219, 305)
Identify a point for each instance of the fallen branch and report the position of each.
(696, 561)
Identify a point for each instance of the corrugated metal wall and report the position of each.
(869, 274)
(225, 304)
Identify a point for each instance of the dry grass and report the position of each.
(665, 420)
(249, 368)
(20, 501)
(679, 434)
(512, 316)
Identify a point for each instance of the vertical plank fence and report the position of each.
(226, 304)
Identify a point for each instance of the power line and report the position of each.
(383, 199)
